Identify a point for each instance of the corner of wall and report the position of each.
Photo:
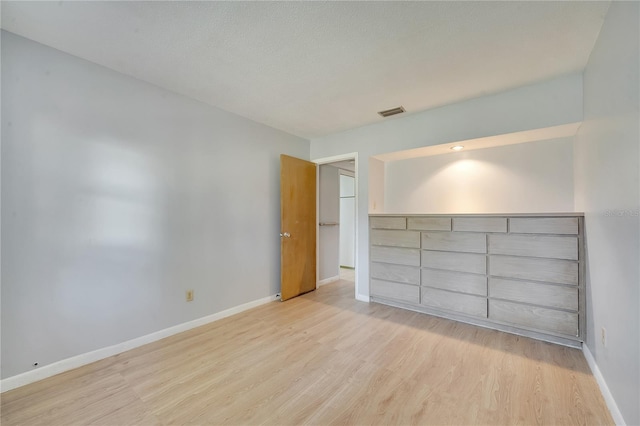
(602, 384)
(606, 159)
(376, 185)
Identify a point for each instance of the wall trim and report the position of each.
(328, 281)
(67, 364)
(606, 393)
(362, 298)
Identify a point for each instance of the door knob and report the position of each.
(286, 235)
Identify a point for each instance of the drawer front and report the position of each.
(389, 290)
(398, 273)
(429, 223)
(534, 246)
(380, 237)
(544, 225)
(456, 302)
(534, 317)
(455, 281)
(388, 222)
(453, 241)
(397, 255)
(461, 262)
(553, 296)
(480, 224)
(548, 270)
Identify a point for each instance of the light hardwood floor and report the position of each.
(347, 274)
(322, 358)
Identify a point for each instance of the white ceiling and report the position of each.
(314, 68)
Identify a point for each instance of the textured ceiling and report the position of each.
(314, 68)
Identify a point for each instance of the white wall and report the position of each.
(117, 196)
(328, 212)
(376, 185)
(608, 190)
(538, 106)
(523, 178)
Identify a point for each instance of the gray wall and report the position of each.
(117, 196)
(607, 189)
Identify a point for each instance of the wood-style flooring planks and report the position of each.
(322, 358)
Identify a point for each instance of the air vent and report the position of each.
(392, 111)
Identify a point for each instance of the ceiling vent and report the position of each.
(392, 111)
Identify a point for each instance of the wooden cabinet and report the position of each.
(516, 273)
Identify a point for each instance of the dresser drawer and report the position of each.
(455, 281)
(461, 262)
(526, 268)
(381, 237)
(549, 295)
(519, 273)
(389, 290)
(534, 317)
(388, 222)
(455, 241)
(456, 302)
(397, 255)
(534, 246)
(429, 223)
(480, 224)
(544, 225)
(398, 273)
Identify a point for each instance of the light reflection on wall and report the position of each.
(90, 219)
(122, 190)
(523, 178)
(93, 191)
(460, 186)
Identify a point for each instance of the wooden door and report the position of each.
(297, 227)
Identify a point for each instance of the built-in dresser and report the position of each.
(517, 273)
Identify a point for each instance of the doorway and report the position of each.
(337, 219)
(347, 246)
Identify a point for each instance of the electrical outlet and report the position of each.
(603, 335)
(189, 295)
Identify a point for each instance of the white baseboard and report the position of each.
(362, 298)
(606, 393)
(328, 280)
(83, 359)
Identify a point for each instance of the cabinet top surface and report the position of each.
(559, 214)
